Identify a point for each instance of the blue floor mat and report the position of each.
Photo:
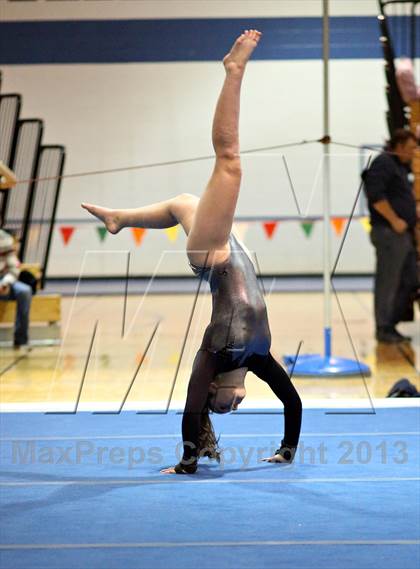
(85, 490)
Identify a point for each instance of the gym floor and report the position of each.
(82, 489)
(54, 373)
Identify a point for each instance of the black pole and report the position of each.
(32, 187)
(54, 211)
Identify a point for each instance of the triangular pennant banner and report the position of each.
(172, 232)
(338, 224)
(173, 358)
(366, 224)
(141, 358)
(66, 233)
(307, 227)
(105, 360)
(138, 234)
(241, 229)
(68, 362)
(269, 228)
(102, 231)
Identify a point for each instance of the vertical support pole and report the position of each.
(326, 181)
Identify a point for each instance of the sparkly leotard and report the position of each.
(239, 323)
(238, 336)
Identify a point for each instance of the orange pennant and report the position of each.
(138, 234)
(269, 228)
(141, 358)
(338, 223)
(68, 362)
(66, 233)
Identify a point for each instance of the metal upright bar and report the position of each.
(326, 180)
(325, 365)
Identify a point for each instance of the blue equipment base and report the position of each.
(324, 366)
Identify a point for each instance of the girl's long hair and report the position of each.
(208, 444)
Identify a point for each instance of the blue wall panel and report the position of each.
(119, 41)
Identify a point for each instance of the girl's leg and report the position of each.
(207, 221)
(180, 209)
(208, 239)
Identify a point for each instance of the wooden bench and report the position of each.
(43, 309)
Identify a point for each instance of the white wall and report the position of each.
(117, 9)
(111, 116)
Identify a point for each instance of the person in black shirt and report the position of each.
(392, 209)
(238, 338)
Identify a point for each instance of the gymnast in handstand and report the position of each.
(238, 337)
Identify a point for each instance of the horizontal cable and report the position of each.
(161, 164)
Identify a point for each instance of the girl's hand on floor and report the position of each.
(170, 470)
(275, 458)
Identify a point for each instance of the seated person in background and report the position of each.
(12, 289)
(7, 177)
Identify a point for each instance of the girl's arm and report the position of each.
(205, 369)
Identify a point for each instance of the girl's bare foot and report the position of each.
(241, 51)
(108, 216)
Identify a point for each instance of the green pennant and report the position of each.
(102, 231)
(307, 227)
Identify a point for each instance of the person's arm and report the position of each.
(384, 208)
(12, 272)
(271, 371)
(7, 177)
(376, 181)
(203, 372)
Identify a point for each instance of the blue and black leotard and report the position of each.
(238, 336)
